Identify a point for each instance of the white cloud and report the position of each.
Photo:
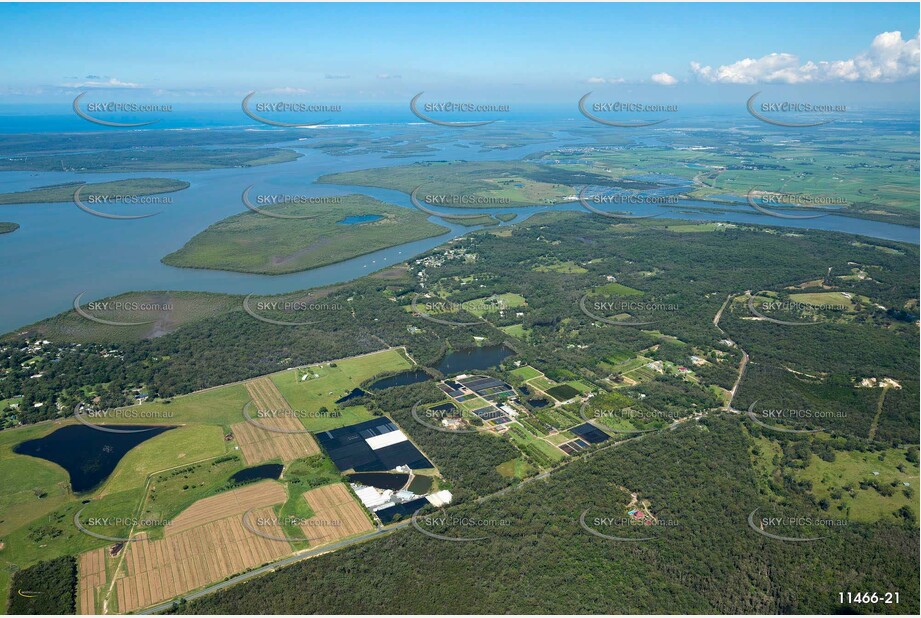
(95, 81)
(389, 76)
(664, 79)
(287, 90)
(337, 76)
(605, 80)
(889, 59)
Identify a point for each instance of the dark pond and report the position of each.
(421, 484)
(538, 403)
(380, 480)
(472, 359)
(400, 511)
(256, 473)
(353, 219)
(88, 455)
(401, 379)
(355, 393)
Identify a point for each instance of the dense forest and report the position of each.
(46, 588)
(698, 478)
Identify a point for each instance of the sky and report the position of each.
(518, 52)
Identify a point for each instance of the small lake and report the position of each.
(380, 480)
(355, 219)
(88, 455)
(472, 359)
(401, 379)
(355, 393)
(256, 473)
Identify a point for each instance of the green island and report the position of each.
(257, 243)
(478, 184)
(6, 227)
(183, 158)
(132, 187)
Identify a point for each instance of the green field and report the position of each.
(558, 417)
(526, 373)
(562, 392)
(221, 406)
(541, 453)
(582, 387)
(254, 243)
(834, 299)
(31, 487)
(332, 382)
(493, 304)
(840, 481)
(517, 468)
(518, 331)
(183, 445)
(543, 383)
(117, 188)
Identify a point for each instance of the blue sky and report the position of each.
(378, 52)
